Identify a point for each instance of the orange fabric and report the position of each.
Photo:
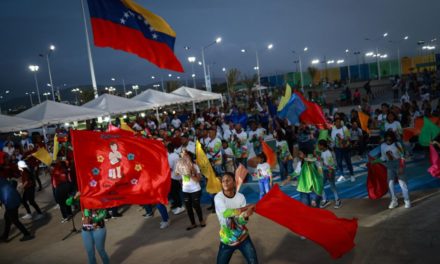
(270, 154)
(363, 119)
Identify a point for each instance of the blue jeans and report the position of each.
(264, 186)
(305, 198)
(286, 168)
(246, 248)
(330, 177)
(162, 210)
(343, 154)
(95, 239)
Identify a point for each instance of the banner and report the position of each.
(213, 186)
(115, 169)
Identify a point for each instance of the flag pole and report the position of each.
(89, 52)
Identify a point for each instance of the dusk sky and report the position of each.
(326, 27)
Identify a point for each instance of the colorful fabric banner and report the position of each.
(270, 154)
(115, 169)
(377, 183)
(284, 99)
(434, 170)
(428, 133)
(335, 235)
(313, 114)
(292, 110)
(56, 147)
(42, 155)
(240, 175)
(363, 119)
(213, 186)
(125, 25)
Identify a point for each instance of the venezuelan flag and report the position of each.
(126, 26)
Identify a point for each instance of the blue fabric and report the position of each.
(161, 208)
(9, 196)
(343, 155)
(95, 239)
(246, 248)
(293, 109)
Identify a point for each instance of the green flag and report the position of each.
(310, 179)
(428, 133)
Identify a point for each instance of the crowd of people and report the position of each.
(231, 136)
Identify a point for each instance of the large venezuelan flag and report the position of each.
(125, 25)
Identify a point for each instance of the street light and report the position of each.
(30, 97)
(51, 49)
(208, 78)
(34, 69)
(123, 85)
(46, 94)
(315, 61)
(135, 88)
(339, 61)
(300, 68)
(76, 91)
(257, 68)
(191, 60)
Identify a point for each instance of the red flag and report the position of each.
(2, 157)
(115, 169)
(240, 176)
(336, 235)
(114, 129)
(377, 183)
(313, 114)
(125, 25)
(434, 170)
(270, 154)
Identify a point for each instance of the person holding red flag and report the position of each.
(233, 215)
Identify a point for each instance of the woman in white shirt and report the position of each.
(392, 124)
(192, 191)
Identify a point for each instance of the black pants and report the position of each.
(29, 196)
(11, 217)
(61, 194)
(192, 201)
(37, 177)
(176, 188)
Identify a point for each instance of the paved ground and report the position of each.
(384, 236)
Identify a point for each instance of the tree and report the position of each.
(312, 72)
(86, 95)
(249, 82)
(232, 77)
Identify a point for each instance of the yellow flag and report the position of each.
(213, 186)
(125, 126)
(284, 99)
(56, 147)
(42, 155)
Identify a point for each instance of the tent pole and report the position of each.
(157, 114)
(194, 107)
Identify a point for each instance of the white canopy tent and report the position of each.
(12, 123)
(50, 112)
(117, 105)
(160, 99)
(197, 95)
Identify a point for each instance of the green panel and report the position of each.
(373, 70)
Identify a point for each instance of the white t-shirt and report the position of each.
(228, 151)
(176, 122)
(395, 127)
(172, 160)
(241, 136)
(396, 153)
(227, 134)
(327, 159)
(191, 186)
(222, 203)
(264, 170)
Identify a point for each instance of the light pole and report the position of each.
(34, 69)
(257, 68)
(51, 49)
(398, 51)
(208, 78)
(192, 60)
(1, 98)
(123, 85)
(135, 88)
(377, 52)
(46, 94)
(347, 54)
(300, 67)
(357, 53)
(30, 97)
(76, 91)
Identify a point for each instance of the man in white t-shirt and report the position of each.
(176, 182)
(176, 122)
(233, 214)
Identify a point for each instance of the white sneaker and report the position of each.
(179, 210)
(39, 216)
(352, 179)
(174, 210)
(407, 204)
(26, 216)
(164, 225)
(341, 178)
(393, 204)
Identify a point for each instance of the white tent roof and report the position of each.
(50, 112)
(117, 105)
(261, 87)
(161, 99)
(197, 95)
(12, 123)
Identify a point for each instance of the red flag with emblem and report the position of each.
(115, 169)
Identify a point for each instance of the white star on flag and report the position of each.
(154, 36)
(151, 28)
(126, 14)
(146, 22)
(139, 17)
(122, 21)
(131, 13)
